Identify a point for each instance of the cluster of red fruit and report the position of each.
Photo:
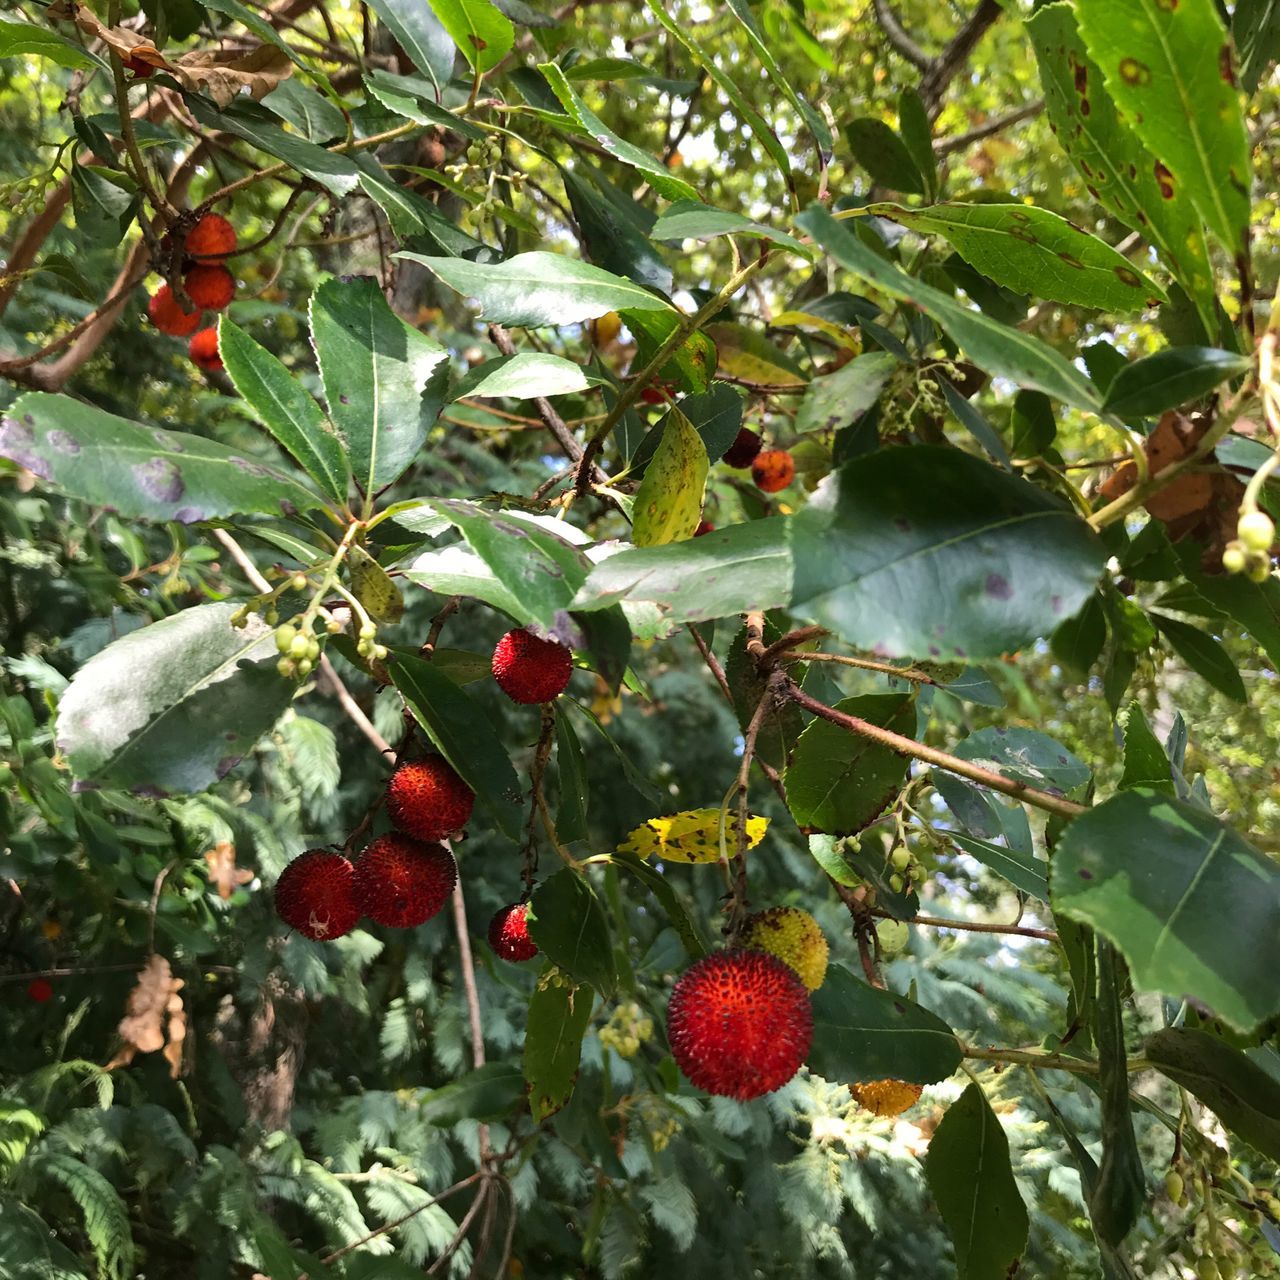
(771, 469)
(207, 282)
(403, 878)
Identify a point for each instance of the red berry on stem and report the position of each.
(509, 934)
(203, 349)
(774, 469)
(742, 452)
(40, 990)
(402, 882)
(315, 895)
(210, 286)
(211, 239)
(426, 799)
(530, 670)
(739, 1023)
(168, 315)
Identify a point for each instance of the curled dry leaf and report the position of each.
(128, 44)
(154, 1007)
(224, 875)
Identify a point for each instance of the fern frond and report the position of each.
(106, 1221)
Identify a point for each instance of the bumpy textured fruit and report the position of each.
(773, 470)
(210, 239)
(315, 895)
(528, 669)
(40, 990)
(402, 882)
(168, 315)
(509, 933)
(742, 452)
(886, 1097)
(794, 937)
(426, 799)
(739, 1023)
(203, 350)
(211, 287)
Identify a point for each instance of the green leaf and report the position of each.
(374, 587)
(568, 923)
(782, 723)
(142, 473)
(418, 221)
(174, 706)
(693, 220)
(660, 178)
(976, 425)
(104, 202)
(1125, 177)
(838, 782)
(310, 113)
(251, 22)
(420, 34)
(524, 376)
(488, 1093)
(969, 1173)
(1244, 1096)
(662, 889)
(917, 137)
(541, 288)
(458, 571)
(280, 402)
(716, 415)
(1078, 642)
(1032, 426)
(378, 377)
(1145, 763)
(832, 856)
(1168, 67)
(1022, 870)
(751, 358)
(1204, 655)
(482, 32)
(614, 229)
(335, 172)
(1033, 251)
(1024, 755)
(465, 737)
(1255, 606)
(25, 38)
(1172, 377)
(669, 501)
(558, 1018)
(540, 570)
(879, 150)
(693, 362)
(571, 815)
(415, 98)
(1149, 873)
(1000, 350)
(730, 571)
(1255, 29)
(1119, 1192)
(861, 1033)
(977, 562)
(837, 399)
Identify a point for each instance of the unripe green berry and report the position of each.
(285, 635)
(896, 882)
(1206, 1269)
(1234, 558)
(380, 651)
(1259, 569)
(474, 153)
(893, 936)
(272, 616)
(313, 649)
(368, 631)
(1256, 530)
(299, 582)
(1174, 1186)
(286, 668)
(901, 858)
(332, 626)
(918, 873)
(304, 668)
(298, 645)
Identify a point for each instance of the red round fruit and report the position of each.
(168, 315)
(704, 527)
(210, 286)
(427, 800)
(40, 990)
(211, 239)
(203, 349)
(530, 670)
(739, 1023)
(772, 470)
(509, 934)
(742, 452)
(315, 895)
(402, 882)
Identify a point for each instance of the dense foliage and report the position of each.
(802, 454)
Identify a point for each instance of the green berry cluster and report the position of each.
(908, 870)
(627, 1029)
(1250, 551)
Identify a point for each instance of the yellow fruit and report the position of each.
(1257, 531)
(607, 328)
(794, 937)
(886, 1097)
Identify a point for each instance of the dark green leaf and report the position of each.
(571, 816)
(1145, 762)
(1255, 606)
(1000, 350)
(1032, 426)
(879, 150)
(415, 98)
(1255, 28)
(838, 398)
(419, 222)
(1024, 755)
(464, 736)
(968, 416)
(1170, 378)
(614, 231)
(783, 723)
(1204, 655)
(716, 415)
(982, 815)
(1022, 870)
(104, 202)
(488, 1093)
(837, 781)
(662, 889)
(172, 707)
(693, 220)
(382, 379)
(917, 137)
(973, 1185)
(141, 472)
(1150, 872)
(19, 38)
(311, 114)
(482, 32)
(897, 523)
(558, 1017)
(568, 923)
(832, 856)
(1078, 642)
(285, 408)
(693, 362)
(420, 34)
(861, 1033)
(251, 22)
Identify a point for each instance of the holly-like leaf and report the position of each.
(862, 1033)
(1033, 251)
(837, 781)
(973, 1185)
(668, 503)
(383, 380)
(1149, 873)
(558, 1017)
(174, 706)
(143, 473)
(481, 31)
(568, 923)
(1145, 761)
(692, 836)
(977, 562)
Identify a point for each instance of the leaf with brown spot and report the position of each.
(223, 76)
(224, 875)
(152, 1001)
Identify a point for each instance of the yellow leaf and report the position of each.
(374, 588)
(669, 500)
(691, 836)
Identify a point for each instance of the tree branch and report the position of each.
(946, 66)
(897, 36)
(958, 141)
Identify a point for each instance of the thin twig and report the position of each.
(971, 926)
(997, 124)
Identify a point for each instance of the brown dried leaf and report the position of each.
(143, 1026)
(223, 871)
(223, 76)
(128, 44)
